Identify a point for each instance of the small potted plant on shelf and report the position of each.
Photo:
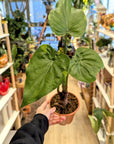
(3, 56)
(49, 69)
(103, 43)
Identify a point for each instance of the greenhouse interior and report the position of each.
(56, 71)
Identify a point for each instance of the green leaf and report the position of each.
(65, 19)
(44, 73)
(94, 123)
(14, 52)
(85, 65)
(108, 113)
(99, 113)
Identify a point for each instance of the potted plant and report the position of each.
(49, 69)
(3, 56)
(103, 43)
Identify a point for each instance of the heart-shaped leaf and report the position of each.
(85, 65)
(94, 123)
(44, 73)
(99, 113)
(65, 19)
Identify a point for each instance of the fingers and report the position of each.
(52, 110)
(55, 119)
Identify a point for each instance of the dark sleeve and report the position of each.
(33, 132)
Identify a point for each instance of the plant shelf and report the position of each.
(106, 97)
(9, 136)
(4, 99)
(5, 68)
(100, 137)
(105, 61)
(4, 35)
(106, 32)
(8, 126)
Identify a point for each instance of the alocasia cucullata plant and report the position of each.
(48, 69)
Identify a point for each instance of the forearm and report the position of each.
(33, 132)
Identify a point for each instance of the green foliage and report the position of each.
(103, 42)
(2, 49)
(44, 73)
(82, 3)
(85, 64)
(49, 69)
(99, 115)
(16, 25)
(65, 19)
(85, 39)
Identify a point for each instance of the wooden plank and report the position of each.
(4, 115)
(43, 29)
(79, 131)
(4, 99)
(87, 99)
(105, 61)
(17, 123)
(9, 137)
(106, 32)
(3, 35)
(8, 126)
(104, 94)
(5, 68)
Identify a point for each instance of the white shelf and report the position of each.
(106, 32)
(105, 60)
(8, 65)
(4, 35)
(8, 126)
(4, 99)
(9, 136)
(106, 97)
(96, 102)
(102, 140)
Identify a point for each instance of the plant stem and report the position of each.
(65, 50)
(64, 90)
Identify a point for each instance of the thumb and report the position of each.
(52, 110)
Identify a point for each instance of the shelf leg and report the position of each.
(111, 110)
(18, 121)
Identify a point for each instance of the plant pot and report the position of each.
(69, 117)
(3, 60)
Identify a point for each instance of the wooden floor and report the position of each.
(79, 131)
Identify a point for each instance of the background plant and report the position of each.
(103, 42)
(98, 115)
(16, 25)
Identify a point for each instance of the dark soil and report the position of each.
(63, 108)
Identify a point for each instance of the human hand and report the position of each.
(49, 113)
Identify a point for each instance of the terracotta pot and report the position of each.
(3, 60)
(69, 117)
